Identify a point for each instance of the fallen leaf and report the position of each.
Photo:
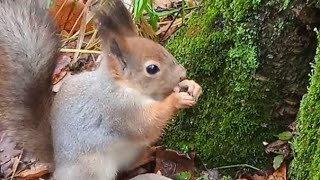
(60, 69)
(146, 29)
(279, 147)
(209, 175)
(258, 177)
(88, 63)
(171, 162)
(37, 170)
(277, 161)
(141, 165)
(280, 173)
(7, 149)
(15, 165)
(67, 14)
(182, 176)
(147, 157)
(166, 4)
(191, 3)
(293, 126)
(162, 161)
(285, 136)
(56, 87)
(150, 176)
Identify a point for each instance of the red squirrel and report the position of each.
(100, 121)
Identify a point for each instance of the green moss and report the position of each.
(306, 163)
(232, 119)
(226, 178)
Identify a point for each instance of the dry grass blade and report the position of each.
(92, 39)
(60, 9)
(16, 164)
(80, 51)
(146, 30)
(77, 21)
(82, 30)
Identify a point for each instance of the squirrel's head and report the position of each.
(134, 61)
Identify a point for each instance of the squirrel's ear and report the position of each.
(117, 48)
(113, 17)
(114, 26)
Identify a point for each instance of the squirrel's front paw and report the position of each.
(183, 100)
(191, 87)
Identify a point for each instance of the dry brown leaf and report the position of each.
(211, 174)
(147, 157)
(166, 4)
(279, 147)
(163, 4)
(280, 173)
(7, 149)
(60, 69)
(15, 165)
(82, 29)
(161, 161)
(191, 3)
(167, 30)
(36, 171)
(57, 86)
(146, 29)
(66, 13)
(6, 169)
(258, 177)
(150, 176)
(170, 162)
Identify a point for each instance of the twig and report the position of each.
(16, 164)
(165, 33)
(203, 164)
(238, 165)
(77, 21)
(75, 36)
(91, 39)
(97, 42)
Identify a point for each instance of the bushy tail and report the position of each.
(28, 53)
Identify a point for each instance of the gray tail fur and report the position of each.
(28, 53)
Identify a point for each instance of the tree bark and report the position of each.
(252, 59)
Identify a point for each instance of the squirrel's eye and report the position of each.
(152, 69)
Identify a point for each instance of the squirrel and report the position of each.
(100, 121)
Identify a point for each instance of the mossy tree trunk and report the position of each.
(306, 163)
(252, 59)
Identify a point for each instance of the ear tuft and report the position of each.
(115, 25)
(114, 18)
(115, 49)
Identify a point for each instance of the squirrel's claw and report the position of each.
(193, 88)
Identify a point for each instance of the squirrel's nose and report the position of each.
(183, 78)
